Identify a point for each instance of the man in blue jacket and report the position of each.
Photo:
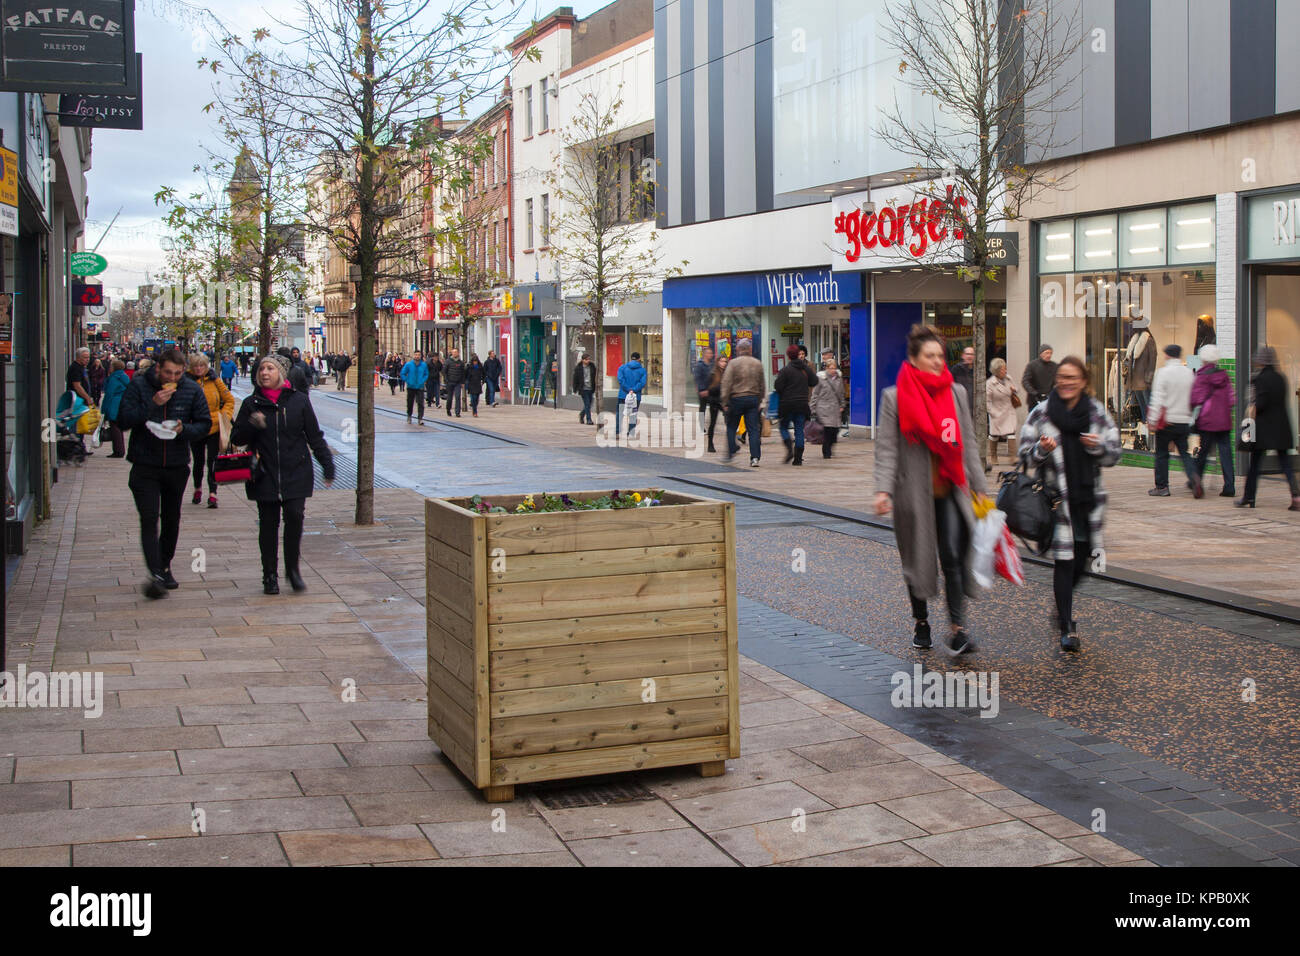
(160, 466)
(631, 378)
(414, 374)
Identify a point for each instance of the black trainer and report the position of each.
(921, 638)
(1070, 640)
(169, 582)
(154, 588)
(961, 643)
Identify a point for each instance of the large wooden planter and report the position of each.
(575, 643)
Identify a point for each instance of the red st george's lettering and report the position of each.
(928, 219)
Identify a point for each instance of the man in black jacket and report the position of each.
(433, 387)
(453, 373)
(1039, 378)
(297, 374)
(160, 467)
(492, 377)
(963, 373)
(341, 365)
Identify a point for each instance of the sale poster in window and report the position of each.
(724, 342)
(613, 353)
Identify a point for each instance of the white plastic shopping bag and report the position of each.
(988, 532)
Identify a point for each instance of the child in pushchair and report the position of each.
(69, 443)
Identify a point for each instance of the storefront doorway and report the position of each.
(1276, 292)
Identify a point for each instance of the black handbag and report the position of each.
(1030, 508)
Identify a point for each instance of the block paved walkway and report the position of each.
(225, 714)
(1206, 544)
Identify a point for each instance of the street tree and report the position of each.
(359, 81)
(991, 71)
(602, 235)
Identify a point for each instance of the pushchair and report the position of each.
(69, 444)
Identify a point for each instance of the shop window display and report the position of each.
(1119, 323)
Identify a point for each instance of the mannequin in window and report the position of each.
(1140, 363)
(1205, 334)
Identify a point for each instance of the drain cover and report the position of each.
(590, 793)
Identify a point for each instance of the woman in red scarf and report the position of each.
(927, 467)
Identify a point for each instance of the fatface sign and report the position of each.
(85, 46)
(104, 112)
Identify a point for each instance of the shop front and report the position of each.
(1116, 288)
(629, 327)
(1271, 287)
(768, 309)
(535, 362)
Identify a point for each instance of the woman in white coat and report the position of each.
(999, 392)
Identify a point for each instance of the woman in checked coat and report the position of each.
(1070, 438)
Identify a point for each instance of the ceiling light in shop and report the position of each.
(1192, 245)
(1144, 250)
(1053, 237)
(1203, 221)
(1058, 257)
(1094, 253)
(1097, 232)
(1143, 226)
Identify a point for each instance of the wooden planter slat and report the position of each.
(588, 564)
(606, 627)
(582, 763)
(653, 591)
(574, 643)
(572, 697)
(618, 726)
(608, 660)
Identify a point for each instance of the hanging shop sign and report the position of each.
(87, 46)
(8, 192)
(85, 294)
(403, 306)
(6, 326)
(105, 112)
(1003, 249)
(87, 264)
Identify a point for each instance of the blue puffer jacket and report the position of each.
(631, 378)
(415, 374)
(113, 389)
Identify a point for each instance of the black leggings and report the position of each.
(268, 533)
(954, 538)
(1065, 577)
(209, 447)
(158, 493)
(715, 408)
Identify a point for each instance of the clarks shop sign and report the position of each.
(104, 112)
(81, 47)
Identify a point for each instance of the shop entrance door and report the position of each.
(1277, 324)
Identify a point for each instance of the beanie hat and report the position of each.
(1209, 354)
(1044, 348)
(1267, 355)
(1174, 351)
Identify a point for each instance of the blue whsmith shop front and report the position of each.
(824, 309)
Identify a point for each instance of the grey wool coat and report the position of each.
(903, 470)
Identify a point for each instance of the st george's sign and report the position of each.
(85, 46)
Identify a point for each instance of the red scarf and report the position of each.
(927, 414)
(272, 393)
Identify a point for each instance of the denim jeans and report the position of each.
(491, 391)
(454, 396)
(587, 394)
(1222, 441)
(1178, 435)
(747, 406)
(798, 421)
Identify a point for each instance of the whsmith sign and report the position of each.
(81, 47)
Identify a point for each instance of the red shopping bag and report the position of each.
(234, 466)
(1006, 559)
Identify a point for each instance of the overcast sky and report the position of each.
(129, 166)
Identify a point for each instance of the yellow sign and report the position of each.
(792, 328)
(8, 192)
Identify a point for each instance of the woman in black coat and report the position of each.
(279, 425)
(793, 386)
(474, 378)
(1272, 426)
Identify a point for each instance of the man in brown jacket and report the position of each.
(742, 395)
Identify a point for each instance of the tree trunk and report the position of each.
(981, 422)
(365, 509)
